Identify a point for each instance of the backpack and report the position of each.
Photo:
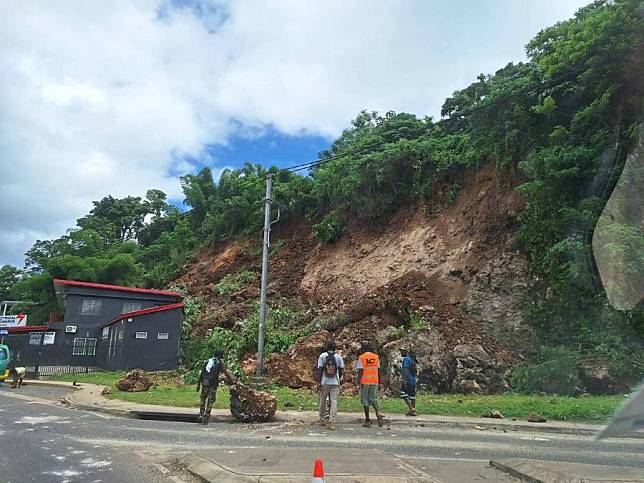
(210, 378)
(330, 365)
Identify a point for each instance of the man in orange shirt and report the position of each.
(369, 377)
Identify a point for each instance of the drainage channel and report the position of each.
(165, 416)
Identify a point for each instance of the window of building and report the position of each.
(106, 332)
(91, 307)
(84, 346)
(163, 336)
(130, 307)
(141, 335)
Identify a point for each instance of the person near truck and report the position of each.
(408, 380)
(209, 382)
(329, 371)
(369, 377)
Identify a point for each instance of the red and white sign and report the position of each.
(19, 320)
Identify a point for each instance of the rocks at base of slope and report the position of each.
(436, 363)
(135, 381)
(477, 372)
(251, 405)
(296, 367)
(596, 375)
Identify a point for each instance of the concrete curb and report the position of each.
(102, 404)
(37, 382)
(208, 471)
(536, 471)
(510, 470)
(213, 471)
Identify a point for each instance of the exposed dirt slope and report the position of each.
(457, 270)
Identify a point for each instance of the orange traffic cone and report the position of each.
(318, 472)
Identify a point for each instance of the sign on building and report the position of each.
(35, 338)
(49, 338)
(13, 320)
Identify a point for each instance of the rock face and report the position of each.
(596, 376)
(135, 381)
(296, 367)
(436, 364)
(476, 371)
(251, 405)
(496, 298)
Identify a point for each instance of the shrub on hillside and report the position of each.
(555, 371)
(330, 229)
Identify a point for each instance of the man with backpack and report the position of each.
(330, 368)
(208, 383)
(408, 380)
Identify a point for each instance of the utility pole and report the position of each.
(262, 300)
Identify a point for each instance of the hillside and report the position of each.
(456, 271)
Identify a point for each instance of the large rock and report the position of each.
(135, 381)
(296, 367)
(477, 372)
(436, 364)
(250, 405)
(596, 376)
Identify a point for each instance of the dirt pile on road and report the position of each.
(250, 405)
(134, 381)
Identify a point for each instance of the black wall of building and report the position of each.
(61, 352)
(120, 349)
(22, 352)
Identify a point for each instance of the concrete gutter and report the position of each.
(88, 397)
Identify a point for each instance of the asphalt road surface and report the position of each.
(42, 440)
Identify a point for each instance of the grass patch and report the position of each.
(555, 408)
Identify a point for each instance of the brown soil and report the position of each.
(431, 264)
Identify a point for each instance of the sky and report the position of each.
(117, 97)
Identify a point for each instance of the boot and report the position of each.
(205, 419)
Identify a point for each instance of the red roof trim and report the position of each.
(26, 328)
(59, 281)
(135, 313)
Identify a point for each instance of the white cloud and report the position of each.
(105, 97)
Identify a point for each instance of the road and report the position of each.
(43, 440)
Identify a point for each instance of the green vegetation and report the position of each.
(562, 408)
(235, 282)
(553, 371)
(560, 124)
(417, 322)
(330, 229)
(284, 325)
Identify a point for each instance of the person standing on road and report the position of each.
(369, 377)
(330, 369)
(209, 382)
(408, 381)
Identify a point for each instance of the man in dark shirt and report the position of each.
(408, 381)
(209, 381)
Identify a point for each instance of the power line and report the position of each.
(549, 84)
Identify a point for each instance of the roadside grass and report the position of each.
(511, 405)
